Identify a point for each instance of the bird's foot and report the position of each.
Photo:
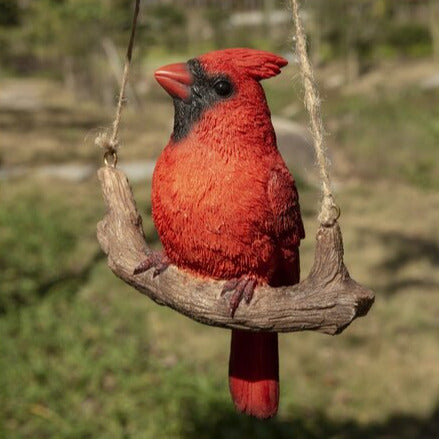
(243, 288)
(154, 259)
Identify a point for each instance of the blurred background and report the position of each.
(84, 356)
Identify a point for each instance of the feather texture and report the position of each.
(225, 206)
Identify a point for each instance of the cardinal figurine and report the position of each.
(224, 203)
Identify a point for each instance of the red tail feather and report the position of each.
(254, 373)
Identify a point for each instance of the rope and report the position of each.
(108, 143)
(329, 211)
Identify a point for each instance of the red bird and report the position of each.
(224, 203)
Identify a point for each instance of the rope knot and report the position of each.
(329, 211)
(104, 141)
(110, 146)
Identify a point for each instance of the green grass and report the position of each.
(47, 240)
(84, 367)
(390, 136)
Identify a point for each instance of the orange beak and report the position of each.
(176, 79)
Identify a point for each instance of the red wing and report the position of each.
(284, 203)
(287, 226)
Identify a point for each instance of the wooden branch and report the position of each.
(328, 300)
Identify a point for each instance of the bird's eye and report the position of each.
(223, 88)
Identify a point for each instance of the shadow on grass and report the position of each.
(407, 249)
(68, 282)
(76, 278)
(220, 422)
(402, 250)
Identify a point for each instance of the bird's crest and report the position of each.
(259, 64)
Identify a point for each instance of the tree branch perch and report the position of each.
(328, 300)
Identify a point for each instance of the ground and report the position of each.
(85, 356)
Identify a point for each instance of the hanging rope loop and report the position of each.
(109, 146)
(329, 211)
(110, 143)
(110, 158)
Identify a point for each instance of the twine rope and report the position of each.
(110, 144)
(329, 211)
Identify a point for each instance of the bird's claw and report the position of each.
(156, 260)
(243, 288)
